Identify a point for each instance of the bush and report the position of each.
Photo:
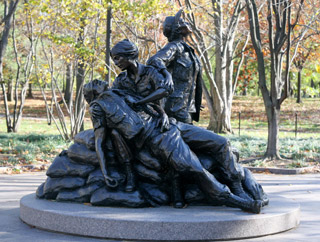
(27, 149)
(300, 150)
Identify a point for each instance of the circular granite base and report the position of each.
(163, 223)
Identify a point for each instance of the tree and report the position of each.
(65, 44)
(25, 64)
(307, 34)
(9, 10)
(73, 34)
(223, 77)
(280, 26)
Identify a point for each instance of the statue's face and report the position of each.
(122, 62)
(88, 96)
(185, 28)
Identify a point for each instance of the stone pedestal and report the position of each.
(163, 223)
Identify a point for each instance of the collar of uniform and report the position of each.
(187, 46)
(140, 72)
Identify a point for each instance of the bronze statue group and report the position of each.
(146, 117)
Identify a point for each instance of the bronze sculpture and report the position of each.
(154, 147)
(181, 61)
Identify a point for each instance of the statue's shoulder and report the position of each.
(173, 45)
(149, 68)
(119, 80)
(177, 45)
(152, 72)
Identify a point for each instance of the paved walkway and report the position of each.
(304, 189)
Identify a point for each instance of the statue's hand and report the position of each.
(167, 75)
(131, 101)
(164, 122)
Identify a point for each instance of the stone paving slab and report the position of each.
(305, 189)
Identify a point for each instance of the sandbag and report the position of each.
(81, 195)
(154, 194)
(96, 175)
(148, 173)
(63, 166)
(193, 194)
(42, 195)
(86, 138)
(40, 192)
(105, 197)
(57, 184)
(80, 153)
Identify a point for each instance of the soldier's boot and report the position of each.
(253, 206)
(130, 182)
(177, 197)
(237, 189)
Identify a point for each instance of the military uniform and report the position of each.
(183, 64)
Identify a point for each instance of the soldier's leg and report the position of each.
(207, 142)
(124, 155)
(251, 185)
(185, 162)
(177, 194)
(170, 147)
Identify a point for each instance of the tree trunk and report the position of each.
(10, 90)
(273, 115)
(272, 107)
(221, 79)
(299, 87)
(290, 85)
(220, 122)
(30, 95)
(79, 95)
(8, 17)
(5, 100)
(80, 72)
(312, 85)
(108, 43)
(67, 94)
(244, 90)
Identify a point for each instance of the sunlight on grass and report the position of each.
(40, 126)
(29, 148)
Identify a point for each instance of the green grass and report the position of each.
(39, 126)
(302, 151)
(35, 141)
(29, 148)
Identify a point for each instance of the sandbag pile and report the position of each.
(75, 176)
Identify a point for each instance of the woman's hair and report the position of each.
(125, 48)
(95, 88)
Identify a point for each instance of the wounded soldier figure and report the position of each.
(132, 114)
